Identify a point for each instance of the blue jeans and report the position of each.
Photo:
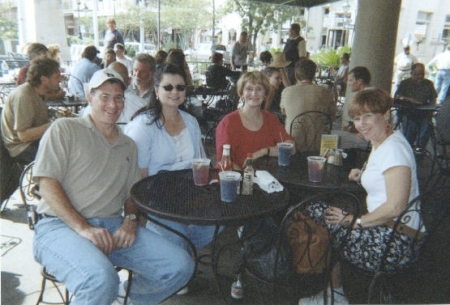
(159, 267)
(416, 131)
(442, 84)
(200, 236)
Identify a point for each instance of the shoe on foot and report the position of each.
(121, 292)
(183, 290)
(318, 299)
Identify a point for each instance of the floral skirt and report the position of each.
(364, 247)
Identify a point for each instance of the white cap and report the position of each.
(102, 76)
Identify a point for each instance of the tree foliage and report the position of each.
(8, 24)
(259, 17)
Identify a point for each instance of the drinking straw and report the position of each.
(281, 136)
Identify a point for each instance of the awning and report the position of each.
(302, 3)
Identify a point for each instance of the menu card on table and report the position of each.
(329, 141)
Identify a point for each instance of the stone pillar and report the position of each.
(374, 44)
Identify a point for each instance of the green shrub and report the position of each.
(330, 57)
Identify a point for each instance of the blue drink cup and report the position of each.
(228, 185)
(284, 153)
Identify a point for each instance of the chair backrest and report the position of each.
(311, 249)
(29, 193)
(307, 128)
(432, 208)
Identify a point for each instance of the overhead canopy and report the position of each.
(302, 3)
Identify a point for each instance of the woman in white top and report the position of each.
(390, 180)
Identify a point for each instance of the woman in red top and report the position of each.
(250, 129)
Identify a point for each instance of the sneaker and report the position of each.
(318, 299)
(121, 292)
(183, 291)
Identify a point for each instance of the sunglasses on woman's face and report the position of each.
(180, 88)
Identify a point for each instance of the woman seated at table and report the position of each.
(216, 74)
(250, 129)
(169, 139)
(390, 180)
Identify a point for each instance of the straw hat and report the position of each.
(279, 61)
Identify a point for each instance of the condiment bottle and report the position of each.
(237, 290)
(249, 174)
(225, 162)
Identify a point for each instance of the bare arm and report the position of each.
(32, 134)
(58, 201)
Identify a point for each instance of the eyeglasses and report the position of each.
(105, 98)
(180, 88)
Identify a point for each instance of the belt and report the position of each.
(408, 231)
(42, 216)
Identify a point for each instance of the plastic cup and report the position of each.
(228, 185)
(284, 153)
(200, 170)
(315, 168)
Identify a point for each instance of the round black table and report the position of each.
(296, 174)
(173, 195)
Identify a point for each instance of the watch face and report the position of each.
(131, 217)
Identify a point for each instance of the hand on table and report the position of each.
(355, 174)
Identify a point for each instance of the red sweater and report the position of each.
(231, 131)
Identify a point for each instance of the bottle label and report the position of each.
(236, 291)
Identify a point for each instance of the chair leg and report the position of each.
(127, 293)
(41, 294)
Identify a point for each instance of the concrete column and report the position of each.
(374, 43)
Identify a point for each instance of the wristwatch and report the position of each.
(131, 217)
(359, 223)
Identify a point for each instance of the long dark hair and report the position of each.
(154, 108)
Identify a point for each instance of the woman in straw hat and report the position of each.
(278, 81)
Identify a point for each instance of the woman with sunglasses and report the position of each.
(168, 139)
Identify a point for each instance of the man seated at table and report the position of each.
(305, 96)
(83, 71)
(216, 74)
(85, 168)
(416, 90)
(138, 94)
(25, 115)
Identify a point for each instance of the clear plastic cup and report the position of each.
(316, 165)
(228, 185)
(200, 170)
(284, 153)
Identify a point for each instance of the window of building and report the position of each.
(421, 28)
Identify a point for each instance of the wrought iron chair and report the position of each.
(29, 193)
(9, 173)
(442, 142)
(297, 244)
(307, 128)
(431, 207)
